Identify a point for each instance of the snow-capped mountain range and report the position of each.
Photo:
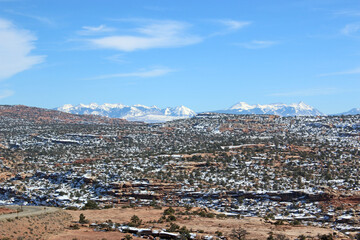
(132, 113)
(154, 114)
(294, 109)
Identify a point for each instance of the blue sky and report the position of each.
(204, 54)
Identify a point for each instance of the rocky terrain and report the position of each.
(298, 171)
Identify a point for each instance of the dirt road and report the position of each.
(27, 211)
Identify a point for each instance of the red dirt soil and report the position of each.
(4, 210)
(257, 227)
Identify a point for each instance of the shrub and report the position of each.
(169, 211)
(296, 222)
(301, 237)
(135, 221)
(72, 208)
(281, 237)
(357, 236)
(82, 219)
(173, 227)
(326, 236)
(279, 222)
(91, 205)
(127, 237)
(184, 234)
(75, 227)
(171, 218)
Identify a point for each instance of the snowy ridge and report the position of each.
(281, 109)
(132, 113)
(353, 111)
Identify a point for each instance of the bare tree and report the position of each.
(239, 234)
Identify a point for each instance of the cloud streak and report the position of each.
(15, 48)
(255, 44)
(156, 72)
(35, 17)
(347, 72)
(234, 25)
(352, 13)
(165, 34)
(89, 30)
(6, 93)
(230, 26)
(351, 29)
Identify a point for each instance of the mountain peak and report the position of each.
(66, 108)
(242, 105)
(301, 105)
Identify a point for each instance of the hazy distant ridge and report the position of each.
(154, 114)
(294, 109)
(353, 111)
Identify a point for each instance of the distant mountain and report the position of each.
(132, 113)
(353, 111)
(295, 109)
(41, 115)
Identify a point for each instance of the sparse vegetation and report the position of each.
(239, 234)
(82, 219)
(91, 205)
(135, 221)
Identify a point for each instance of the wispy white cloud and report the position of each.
(229, 26)
(255, 44)
(159, 34)
(89, 30)
(35, 17)
(351, 28)
(156, 72)
(233, 24)
(347, 72)
(6, 93)
(118, 58)
(152, 33)
(15, 48)
(352, 13)
(307, 92)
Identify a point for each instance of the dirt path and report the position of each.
(33, 223)
(27, 211)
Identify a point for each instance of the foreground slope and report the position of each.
(257, 228)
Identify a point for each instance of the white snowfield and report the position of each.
(154, 114)
(137, 112)
(281, 109)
